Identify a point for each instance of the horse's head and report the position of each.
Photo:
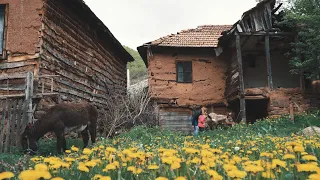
(28, 142)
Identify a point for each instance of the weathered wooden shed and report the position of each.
(70, 52)
(259, 82)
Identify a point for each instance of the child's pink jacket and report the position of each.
(202, 121)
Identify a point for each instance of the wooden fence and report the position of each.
(16, 109)
(11, 122)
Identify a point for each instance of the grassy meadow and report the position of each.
(268, 149)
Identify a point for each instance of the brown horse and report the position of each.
(61, 118)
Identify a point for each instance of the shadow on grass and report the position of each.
(47, 147)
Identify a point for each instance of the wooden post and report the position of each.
(27, 111)
(241, 82)
(291, 109)
(2, 123)
(42, 89)
(269, 70)
(128, 78)
(302, 83)
(18, 127)
(8, 87)
(7, 131)
(52, 85)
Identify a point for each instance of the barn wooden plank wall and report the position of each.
(176, 120)
(87, 69)
(232, 81)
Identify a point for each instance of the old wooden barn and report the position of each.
(69, 54)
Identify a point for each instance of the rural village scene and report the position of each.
(238, 99)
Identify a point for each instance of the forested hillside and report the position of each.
(138, 70)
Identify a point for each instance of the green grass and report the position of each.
(280, 127)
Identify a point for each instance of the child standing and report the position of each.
(202, 119)
(194, 119)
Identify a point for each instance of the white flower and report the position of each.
(237, 148)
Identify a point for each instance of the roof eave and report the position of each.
(122, 53)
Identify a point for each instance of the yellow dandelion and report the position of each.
(33, 174)
(314, 177)
(73, 148)
(131, 168)
(109, 167)
(161, 178)
(41, 167)
(289, 156)
(298, 149)
(57, 178)
(309, 158)
(278, 162)
(175, 165)
(6, 175)
(180, 178)
(152, 167)
(87, 151)
(83, 168)
(268, 174)
(309, 167)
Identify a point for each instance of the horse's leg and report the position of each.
(60, 141)
(93, 132)
(85, 137)
(64, 144)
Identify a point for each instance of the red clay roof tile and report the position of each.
(202, 36)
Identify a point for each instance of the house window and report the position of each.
(2, 26)
(184, 71)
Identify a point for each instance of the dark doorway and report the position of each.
(256, 109)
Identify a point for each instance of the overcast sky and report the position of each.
(134, 22)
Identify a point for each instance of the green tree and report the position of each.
(304, 16)
(138, 70)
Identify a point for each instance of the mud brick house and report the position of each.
(64, 38)
(240, 68)
(184, 70)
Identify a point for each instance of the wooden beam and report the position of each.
(47, 76)
(23, 58)
(266, 33)
(302, 82)
(269, 71)
(242, 112)
(256, 97)
(16, 64)
(6, 77)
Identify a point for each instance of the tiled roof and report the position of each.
(202, 36)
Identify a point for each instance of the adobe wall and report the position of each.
(21, 42)
(209, 74)
(279, 101)
(23, 26)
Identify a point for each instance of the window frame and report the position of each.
(177, 71)
(3, 54)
